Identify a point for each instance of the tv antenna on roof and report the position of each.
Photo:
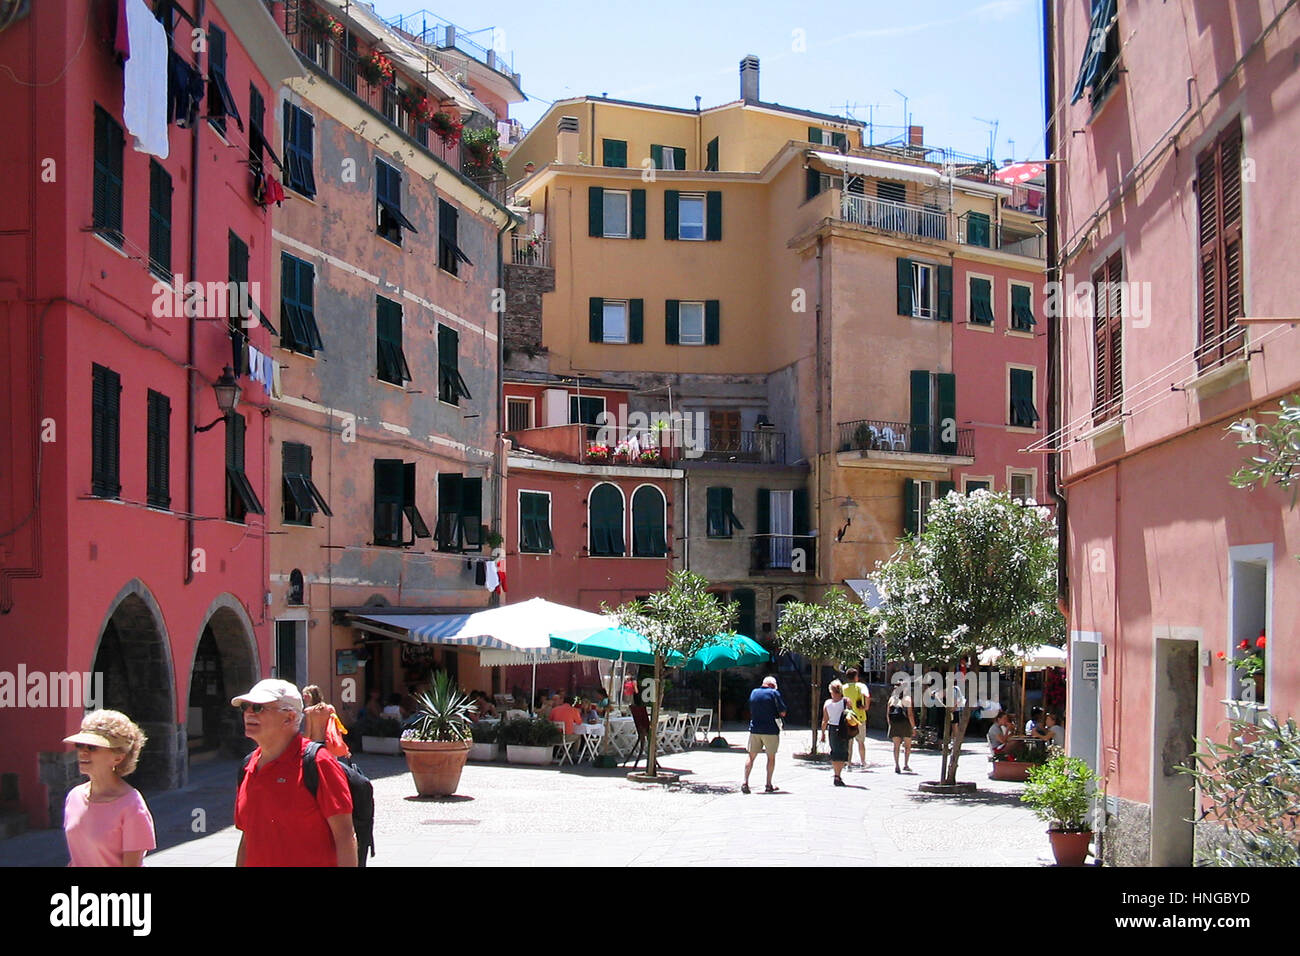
(993, 134)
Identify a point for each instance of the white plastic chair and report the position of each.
(894, 439)
(689, 725)
(564, 749)
(623, 737)
(704, 725)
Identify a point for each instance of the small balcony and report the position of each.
(531, 250)
(929, 222)
(903, 446)
(602, 445)
(1016, 241)
(763, 446)
(783, 554)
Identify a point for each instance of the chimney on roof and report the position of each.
(749, 79)
(916, 136)
(566, 141)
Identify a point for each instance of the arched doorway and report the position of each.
(134, 656)
(225, 664)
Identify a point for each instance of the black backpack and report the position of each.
(362, 790)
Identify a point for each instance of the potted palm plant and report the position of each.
(485, 746)
(529, 740)
(437, 739)
(1058, 794)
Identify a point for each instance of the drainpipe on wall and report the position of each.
(188, 576)
(1054, 326)
(817, 449)
(499, 445)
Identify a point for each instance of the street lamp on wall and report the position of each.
(227, 389)
(848, 508)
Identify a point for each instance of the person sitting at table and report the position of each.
(485, 707)
(1000, 735)
(1052, 731)
(567, 714)
(1034, 724)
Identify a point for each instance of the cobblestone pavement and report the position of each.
(508, 815)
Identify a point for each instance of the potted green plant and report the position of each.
(1250, 663)
(486, 745)
(529, 740)
(1058, 795)
(437, 739)
(379, 735)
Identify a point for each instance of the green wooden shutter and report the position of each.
(840, 141)
(920, 420)
(904, 267)
(636, 321)
(942, 488)
(812, 183)
(802, 522)
(713, 215)
(389, 486)
(615, 153)
(657, 155)
(672, 321)
(716, 513)
(945, 293)
(815, 135)
(712, 322)
(947, 389)
(595, 211)
(679, 157)
(977, 229)
(648, 524)
(764, 512)
(712, 152)
(638, 214)
(471, 512)
(911, 506)
(670, 213)
(596, 320)
(1022, 311)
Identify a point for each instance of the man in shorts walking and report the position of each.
(859, 698)
(765, 706)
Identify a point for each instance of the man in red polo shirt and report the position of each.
(281, 822)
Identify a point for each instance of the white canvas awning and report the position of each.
(1036, 659)
(865, 590)
(880, 169)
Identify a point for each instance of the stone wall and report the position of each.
(1127, 839)
(525, 286)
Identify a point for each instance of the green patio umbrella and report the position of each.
(730, 650)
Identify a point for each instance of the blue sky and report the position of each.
(958, 61)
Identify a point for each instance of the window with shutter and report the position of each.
(690, 323)
(614, 153)
(390, 501)
(1108, 319)
(1218, 197)
(977, 229)
(107, 184)
(460, 513)
(220, 102)
(302, 499)
(451, 385)
(605, 521)
(241, 499)
(921, 405)
(1022, 310)
(981, 301)
(158, 451)
(648, 521)
(711, 164)
(105, 422)
(299, 151)
(160, 222)
(615, 219)
(450, 254)
(389, 219)
(297, 313)
(388, 325)
(535, 523)
(1023, 413)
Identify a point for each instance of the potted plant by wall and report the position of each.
(1058, 795)
(1250, 663)
(437, 740)
(486, 745)
(379, 735)
(447, 125)
(529, 740)
(375, 68)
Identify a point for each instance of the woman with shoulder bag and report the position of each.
(837, 713)
(322, 724)
(902, 724)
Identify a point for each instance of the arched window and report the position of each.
(781, 602)
(295, 587)
(605, 521)
(648, 508)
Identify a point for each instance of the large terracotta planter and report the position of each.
(435, 765)
(1070, 849)
(1016, 771)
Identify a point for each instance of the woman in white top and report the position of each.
(832, 715)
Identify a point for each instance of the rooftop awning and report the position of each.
(879, 168)
(865, 590)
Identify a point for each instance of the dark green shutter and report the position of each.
(802, 523)
(815, 135)
(158, 452)
(672, 321)
(718, 505)
(471, 512)
(712, 322)
(977, 229)
(840, 141)
(106, 392)
(911, 505)
(679, 157)
(812, 183)
(638, 214)
(920, 420)
(596, 320)
(713, 215)
(636, 321)
(615, 153)
(947, 389)
(670, 213)
(595, 211)
(712, 152)
(942, 488)
(764, 512)
(1022, 312)
(904, 267)
(648, 524)
(945, 293)
(745, 619)
(657, 156)
(389, 487)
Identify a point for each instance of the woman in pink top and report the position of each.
(105, 819)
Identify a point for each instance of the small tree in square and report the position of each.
(982, 575)
(836, 630)
(678, 622)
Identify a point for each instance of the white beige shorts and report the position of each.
(760, 742)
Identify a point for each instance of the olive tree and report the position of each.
(836, 630)
(981, 576)
(678, 622)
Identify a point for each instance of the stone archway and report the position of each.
(225, 664)
(134, 655)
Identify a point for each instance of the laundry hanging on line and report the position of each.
(144, 81)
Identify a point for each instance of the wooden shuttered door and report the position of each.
(711, 152)
(158, 451)
(106, 397)
(1218, 196)
(919, 385)
(1107, 339)
(107, 185)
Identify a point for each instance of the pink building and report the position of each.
(133, 543)
(1180, 195)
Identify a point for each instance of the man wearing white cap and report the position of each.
(281, 822)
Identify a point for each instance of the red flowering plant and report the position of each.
(318, 21)
(375, 68)
(416, 103)
(597, 452)
(448, 126)
(1249, 660)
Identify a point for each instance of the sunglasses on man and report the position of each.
(245, 707)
